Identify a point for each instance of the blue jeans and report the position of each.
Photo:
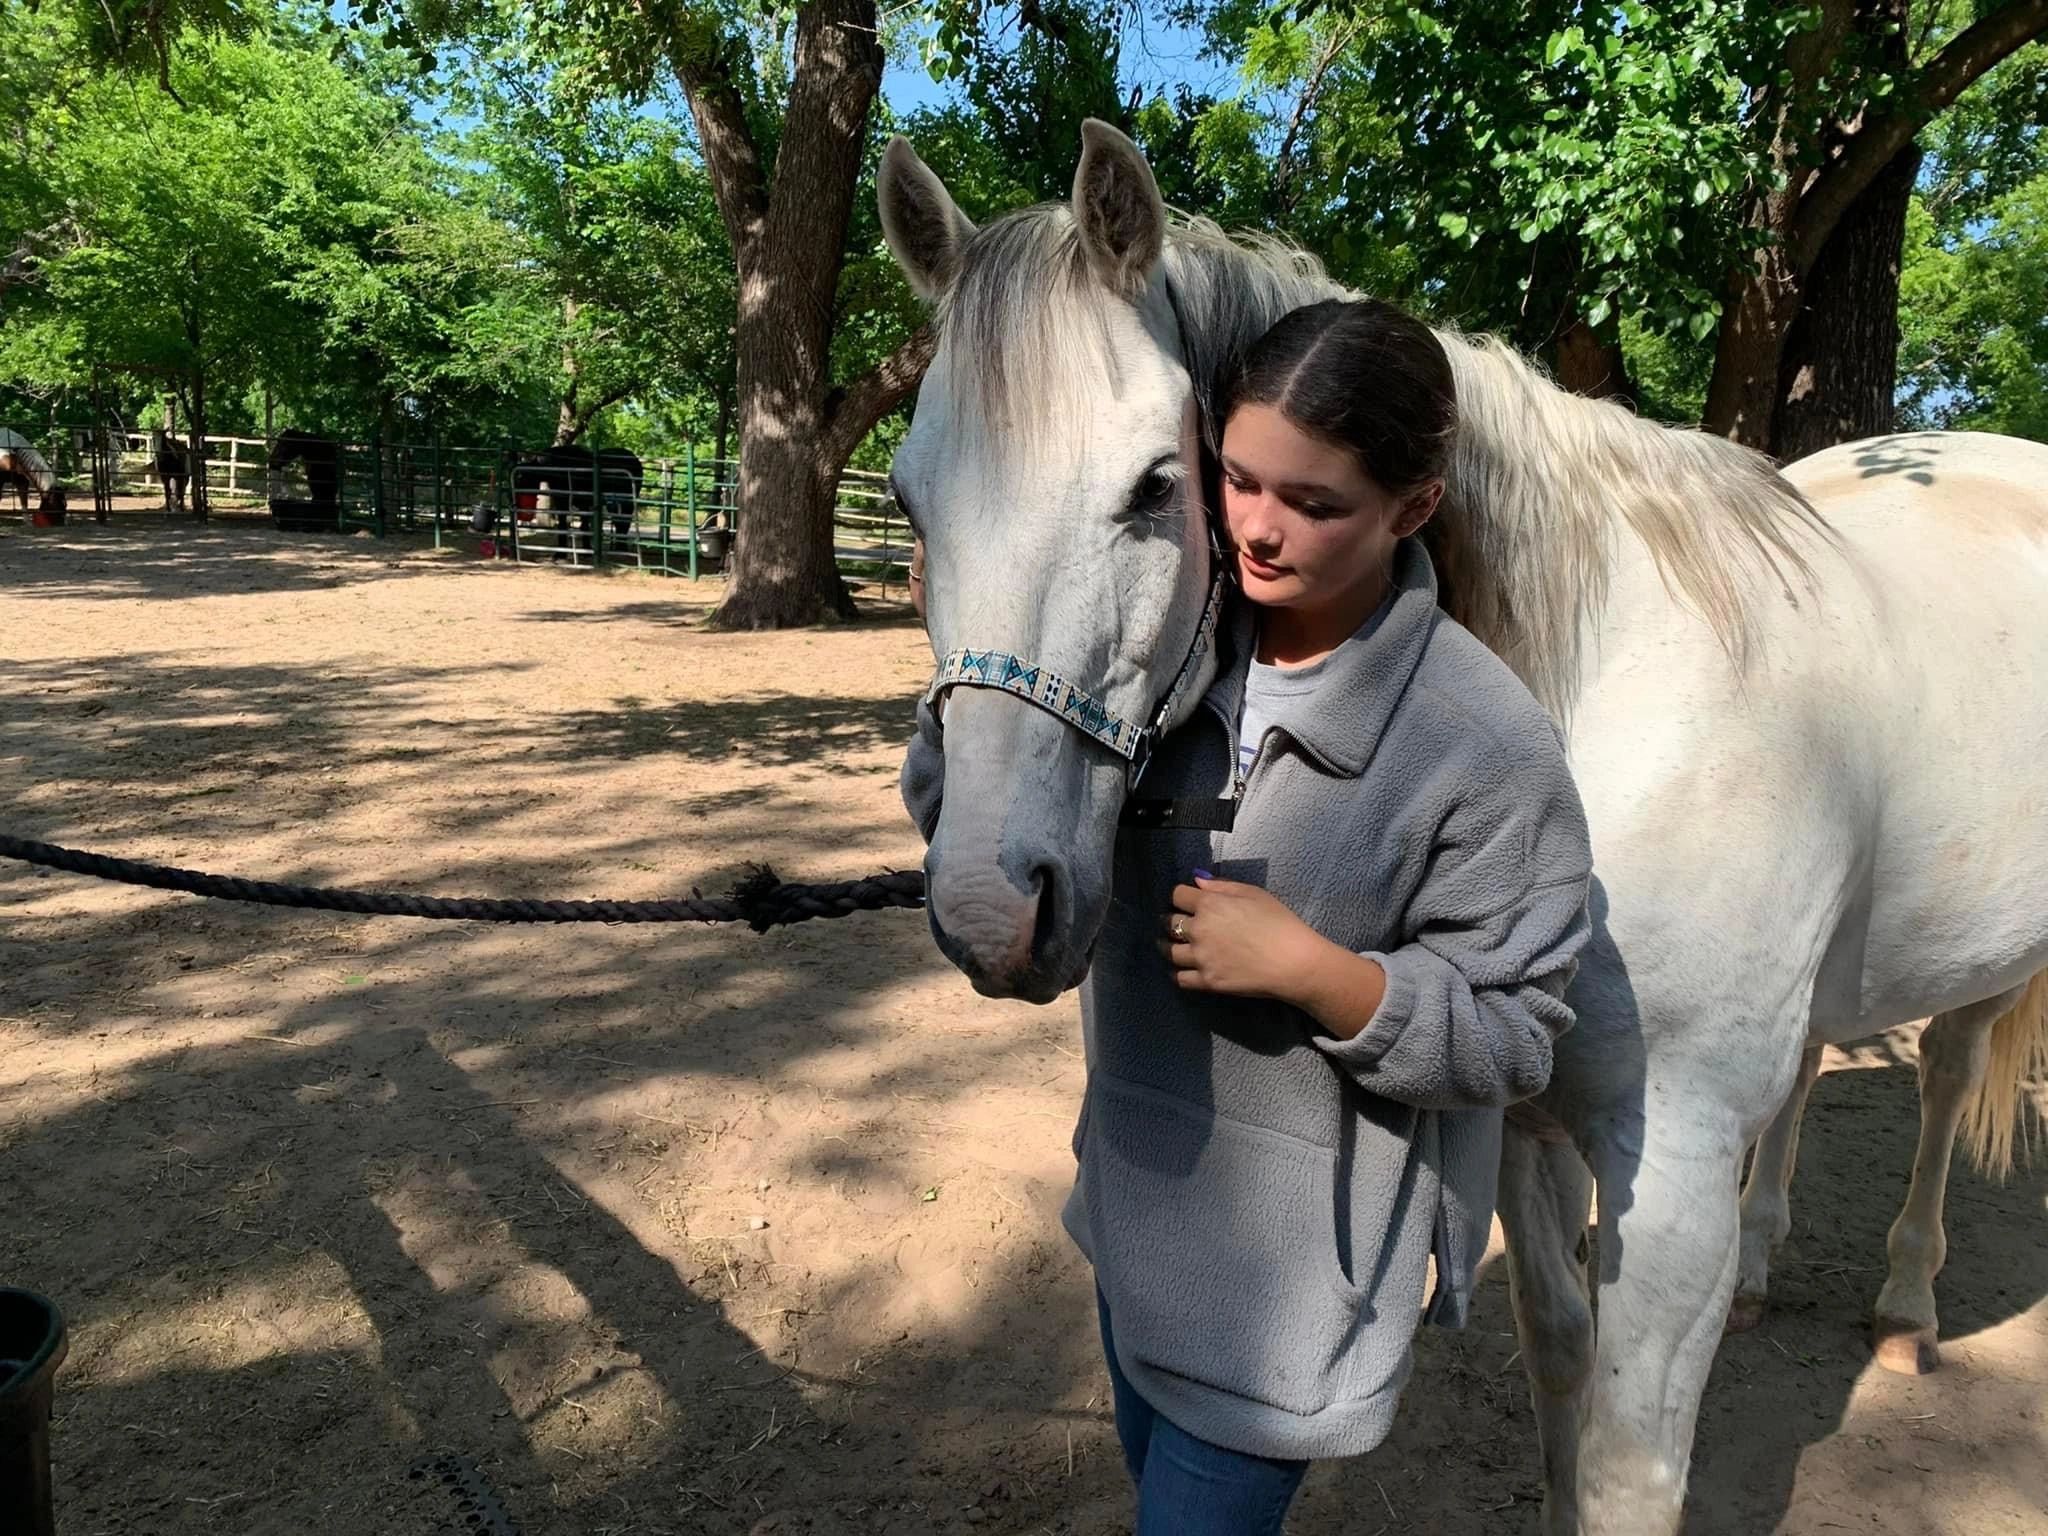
(1186, 1486)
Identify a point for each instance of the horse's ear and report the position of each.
(1118, 210)
(925, 228)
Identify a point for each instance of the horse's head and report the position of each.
(1053, 469)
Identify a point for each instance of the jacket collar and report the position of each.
(1340, 724)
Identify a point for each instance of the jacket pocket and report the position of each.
(1215, 1242)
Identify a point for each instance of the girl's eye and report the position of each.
(1319, 512)
(1242, 487)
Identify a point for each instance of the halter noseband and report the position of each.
(1066, 700)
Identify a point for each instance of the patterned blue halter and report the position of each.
(1076, 705)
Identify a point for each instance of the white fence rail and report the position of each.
(234, 466)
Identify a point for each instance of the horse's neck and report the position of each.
(1227, 294)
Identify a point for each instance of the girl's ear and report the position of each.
(1417, 507)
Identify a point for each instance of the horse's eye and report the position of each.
(1155, 490)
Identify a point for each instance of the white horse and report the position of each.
(1807, 714)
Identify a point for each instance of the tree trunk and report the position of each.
(724, 437)
(789, 242)
(1744, 389)
(1589, 363)
(195, 487)
(568, 425)
(1825, 176)
(1838, 376)
(783, 572)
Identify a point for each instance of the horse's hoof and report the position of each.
(1744, 1313)
(1907, 1349)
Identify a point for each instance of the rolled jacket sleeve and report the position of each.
(1475, 997)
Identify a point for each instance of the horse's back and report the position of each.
(1944, 556)
(1995, 485)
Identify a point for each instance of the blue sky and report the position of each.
(1156, 54)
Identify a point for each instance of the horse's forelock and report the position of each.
(1024, 331)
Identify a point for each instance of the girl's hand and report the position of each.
(1222, 936)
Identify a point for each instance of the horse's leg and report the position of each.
(1546, 1192)
(1954, 1048)
(1668, 1229)
(1766, 1211)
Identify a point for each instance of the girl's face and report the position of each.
(1311, 529)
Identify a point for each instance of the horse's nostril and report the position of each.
(1045, 886)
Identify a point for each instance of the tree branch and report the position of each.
(838, 73)
(1283, 163)
(851, 413)
(706, 61)
(1958, 66)
(1031, 14)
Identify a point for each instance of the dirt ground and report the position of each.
(678, 1229)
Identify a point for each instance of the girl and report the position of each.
(1296, 1075)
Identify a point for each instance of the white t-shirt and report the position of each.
(1266, 686)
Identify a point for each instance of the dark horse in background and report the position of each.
(319, 510)
(173, 469)
(570, 481)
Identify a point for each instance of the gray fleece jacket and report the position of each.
(1260, 1200)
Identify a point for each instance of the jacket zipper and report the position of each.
(1239, 780)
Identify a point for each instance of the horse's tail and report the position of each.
(1996, 1123)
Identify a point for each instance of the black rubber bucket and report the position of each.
(32, 1346)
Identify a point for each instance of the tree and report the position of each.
(780, 105)
(1974, 290)
(1562, 166)
(1838, 366)
(612, 226)
(290, 208)
(161, 267)
(1546, 168)
(1974, 286)
(1868, 115)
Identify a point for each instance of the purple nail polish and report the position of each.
(1203, 874)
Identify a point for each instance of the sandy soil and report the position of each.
(678, 1229)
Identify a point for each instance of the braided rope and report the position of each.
(760, 901)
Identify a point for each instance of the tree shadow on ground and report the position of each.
(120, 562)
(173, 747)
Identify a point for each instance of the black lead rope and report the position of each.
(761, 901)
